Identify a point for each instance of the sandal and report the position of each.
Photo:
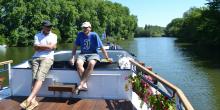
(83, 89)
(77, 91)
(33, 105)
(25, 104)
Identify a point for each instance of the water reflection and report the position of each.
(2, 51)
(203, 55)
(174, 63)
(17, 54)
(208, 60)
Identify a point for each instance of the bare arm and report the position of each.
(74, 50)
(72, 60)
(45, 47)
(104, 52)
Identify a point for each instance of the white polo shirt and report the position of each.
(42, 39)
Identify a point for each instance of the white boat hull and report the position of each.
(101, 84)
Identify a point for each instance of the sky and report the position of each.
(159, 12)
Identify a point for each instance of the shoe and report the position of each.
(25, 104)
(32, 105)
(83, 89)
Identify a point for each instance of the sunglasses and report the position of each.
(49, 27)
(85, 27)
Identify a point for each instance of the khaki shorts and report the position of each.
(41, 67)
(88, 57)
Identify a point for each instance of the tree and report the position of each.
(149, 31)
(200, 26)
(20, 20)
(173, 28)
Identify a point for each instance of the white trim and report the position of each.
(136, 101)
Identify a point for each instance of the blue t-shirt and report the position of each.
(88, 44)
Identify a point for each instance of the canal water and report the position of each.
(194, 70)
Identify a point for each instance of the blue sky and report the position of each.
(159, 12)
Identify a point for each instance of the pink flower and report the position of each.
(145, 99)
(149, 91)
(126, 78)
(145, 85)
(148, 77)
(149, 68)
(166, 98)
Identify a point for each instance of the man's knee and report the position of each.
(91, 64)
(79, 63)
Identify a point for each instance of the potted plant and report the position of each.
(154, 100)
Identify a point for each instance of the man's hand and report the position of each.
(72, 61)
(109, 60)
(45, 47)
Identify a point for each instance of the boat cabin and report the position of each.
(106, 81)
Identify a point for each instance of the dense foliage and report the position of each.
(200, 26)
(149, 31)
(20, 20)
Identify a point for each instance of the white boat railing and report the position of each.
(6, 62)
(181, 100)
(6, 65)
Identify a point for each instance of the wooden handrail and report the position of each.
(179, 92)
(6, 62)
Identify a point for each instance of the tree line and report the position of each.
(149, 31)
(200, 26)
(20, 20)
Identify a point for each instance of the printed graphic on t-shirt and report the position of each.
(86, 44)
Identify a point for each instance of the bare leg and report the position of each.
(35, 90)
(33, 83)
(80, 67)
(31, 100)
(34, 99)
(86, 74)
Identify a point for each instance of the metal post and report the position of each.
(9, 78)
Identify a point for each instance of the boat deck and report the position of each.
(47, 103)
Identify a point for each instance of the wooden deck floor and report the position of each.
(12, 103)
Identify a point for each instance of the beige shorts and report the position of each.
(88, 57)
(41, 67)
